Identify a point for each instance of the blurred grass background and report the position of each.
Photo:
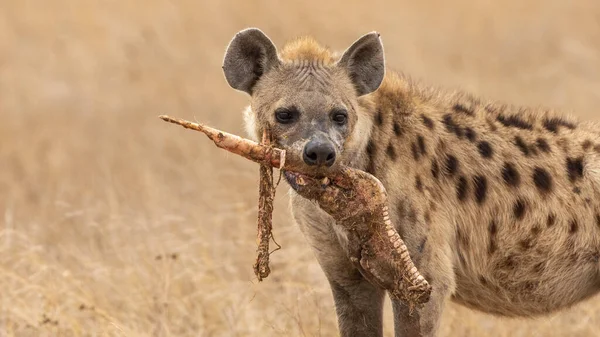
(113, 223)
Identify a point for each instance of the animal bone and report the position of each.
(266, 194)
(355, 199)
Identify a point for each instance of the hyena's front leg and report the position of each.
(358, 304)
(436, 266)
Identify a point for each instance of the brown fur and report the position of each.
(306, 49)
(499, 205)
(507, 258)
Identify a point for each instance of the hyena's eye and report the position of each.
(286, 115)
(339, 116)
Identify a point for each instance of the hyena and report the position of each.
(499, 205)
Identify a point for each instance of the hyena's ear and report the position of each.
(365, 63)
(249, 55)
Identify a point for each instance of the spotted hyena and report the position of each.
(499, 205)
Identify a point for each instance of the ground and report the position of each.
(114, 223)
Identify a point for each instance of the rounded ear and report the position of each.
(365, 63)
(249, 55)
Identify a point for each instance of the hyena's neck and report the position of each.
(401, 118)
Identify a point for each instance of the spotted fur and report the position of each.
(499, 205)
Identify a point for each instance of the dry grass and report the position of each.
(114, 223)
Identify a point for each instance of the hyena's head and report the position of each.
(307, 95)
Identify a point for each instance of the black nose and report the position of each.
(319, 152)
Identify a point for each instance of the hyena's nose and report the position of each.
(319, 152)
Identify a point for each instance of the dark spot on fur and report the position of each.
(586, 145)
(415, 151)
(448, 123)
(462, 109)
(542, 180)
(461, 188)
(493, 246)
(597, 148)
(411, 214)
(379, 117)
(553, 124)
(493, 227)
(536, 230)
(519, 209)
(370, 148)
(422, 147)
(397, 129)
(575, 168)
(551, 220)
(482, 280)
(421, 247)
(573, 226)
(597, 220)
(543, 145)
(514, 121)
(451, 165)
(508, 263)
(391, 152)
(370, 154)
(435, 169)
(480, 185)
(427, 217)
(522, 145)
(510, 175)
(576, 190)
(485, 149)
(526, 243)
(428, 122)
(470, 133)
(418, 184)
(451, 126)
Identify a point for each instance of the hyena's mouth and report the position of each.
(295, 179)
(299, 180)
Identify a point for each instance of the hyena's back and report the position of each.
(515, 193)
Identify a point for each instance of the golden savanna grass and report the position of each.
(114, 223)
